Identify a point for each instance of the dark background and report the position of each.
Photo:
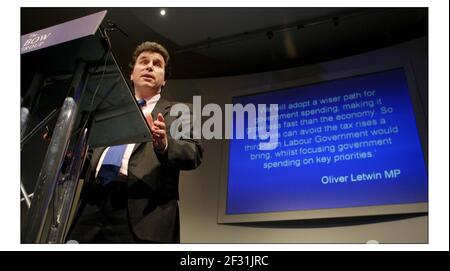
(211, 42)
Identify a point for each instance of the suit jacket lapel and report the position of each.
(162, 106)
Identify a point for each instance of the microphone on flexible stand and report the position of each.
(112, 26)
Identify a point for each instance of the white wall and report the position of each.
(199, 189)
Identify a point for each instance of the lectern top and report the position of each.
(57, 34)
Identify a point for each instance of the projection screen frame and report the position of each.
(422, 128)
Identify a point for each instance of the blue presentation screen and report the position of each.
(344, 143)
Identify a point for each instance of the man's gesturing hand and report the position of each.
(158, 129)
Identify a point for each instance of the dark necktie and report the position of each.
(141, 102)
(109, 171)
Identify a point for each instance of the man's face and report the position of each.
(148, 71)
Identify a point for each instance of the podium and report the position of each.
(98, 109)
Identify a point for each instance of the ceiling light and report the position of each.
(162, 12)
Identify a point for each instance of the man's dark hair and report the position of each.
(153, 47)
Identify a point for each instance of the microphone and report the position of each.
(112, 26)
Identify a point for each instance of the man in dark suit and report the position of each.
(131, 194)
